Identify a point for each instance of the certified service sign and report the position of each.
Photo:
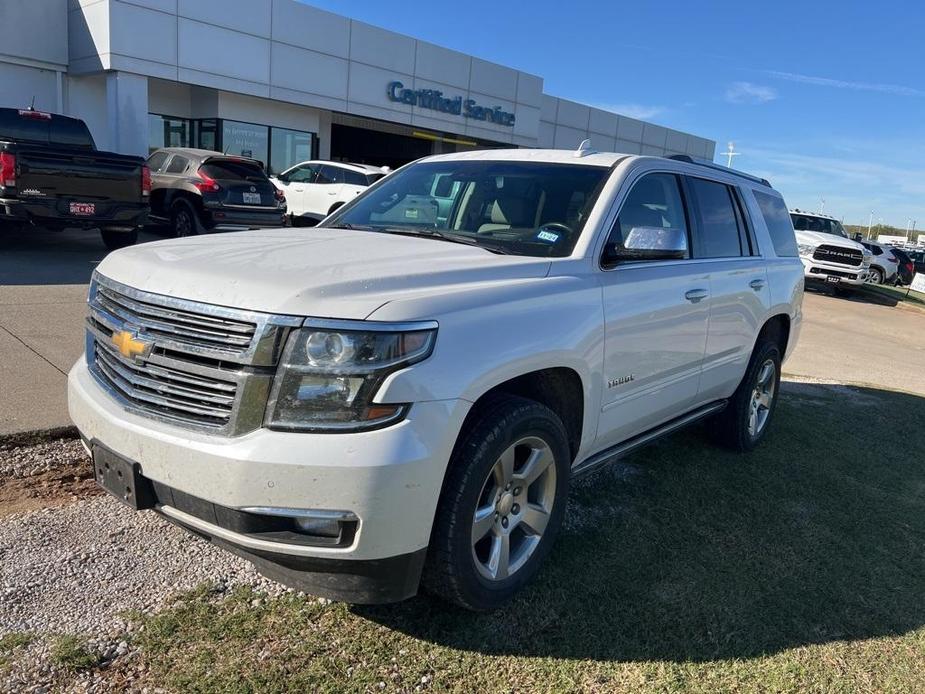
(434, 100)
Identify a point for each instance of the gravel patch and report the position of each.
(74, 569)
(18, 461)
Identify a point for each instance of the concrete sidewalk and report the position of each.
(43, 288)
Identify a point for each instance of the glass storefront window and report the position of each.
(288, 148)
(164, 131)
(246, 140)
(207, 134)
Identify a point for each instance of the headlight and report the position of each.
(806, 249)
(330, 372)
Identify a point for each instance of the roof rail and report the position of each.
(686, 158)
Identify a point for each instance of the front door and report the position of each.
(656, 314)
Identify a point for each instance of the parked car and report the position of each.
(906, 270)
(314, 189)
(391, 399)
(917, 255)
(195, 191)
(827, 253)
(53, 176)
(884, 265)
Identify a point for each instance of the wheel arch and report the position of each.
(559, 388)
(777, 329)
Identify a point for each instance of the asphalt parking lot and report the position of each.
(43, 285)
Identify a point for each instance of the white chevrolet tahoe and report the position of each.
(401, 395)
(827, 253)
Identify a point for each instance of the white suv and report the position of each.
(827, 253)
(404, 393)
(314, 189)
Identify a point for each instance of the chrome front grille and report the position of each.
(196, 365)
(171, 323)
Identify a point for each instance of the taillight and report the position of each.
(145, 181)
(33, 114)
(206, 184)
(7, 169)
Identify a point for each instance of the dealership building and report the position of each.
(282, 81)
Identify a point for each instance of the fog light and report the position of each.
(321, 527)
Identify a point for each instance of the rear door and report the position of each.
(325, 190)
(243, 182)
(740, 296)
(655, 314)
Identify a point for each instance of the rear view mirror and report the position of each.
(650, 243)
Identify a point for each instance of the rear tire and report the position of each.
(114, 240)
(747, 417)
(876, 276)
(183, 219)
(501, 506)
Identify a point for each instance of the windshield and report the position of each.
(804, 222)
(522, 208)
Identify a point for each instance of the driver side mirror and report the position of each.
(282, 178)
(648, 243)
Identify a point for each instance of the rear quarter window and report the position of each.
(780, 228)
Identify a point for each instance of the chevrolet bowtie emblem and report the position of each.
(129, 345)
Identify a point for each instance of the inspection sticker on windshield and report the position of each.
(411, 213)
(547, 236)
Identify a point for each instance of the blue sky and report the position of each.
(825, 99)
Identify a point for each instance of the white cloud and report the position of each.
(748, 93)
(897, 89)
(639, 111)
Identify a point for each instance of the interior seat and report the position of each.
(507, 213)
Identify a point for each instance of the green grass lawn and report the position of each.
(800, 567)
(898, 294)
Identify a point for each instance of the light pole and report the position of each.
(908, 224)
(730, 153)
(822, 208)
(870, 222)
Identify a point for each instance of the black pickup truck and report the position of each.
(52, 176)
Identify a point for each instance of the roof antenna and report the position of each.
(32, 105)
(584, 149)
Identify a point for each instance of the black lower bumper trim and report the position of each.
(358, 581)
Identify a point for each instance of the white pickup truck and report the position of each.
(827, 253)
(402, 395)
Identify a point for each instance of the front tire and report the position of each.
(114, 240)
(747, 417)
(501, 506)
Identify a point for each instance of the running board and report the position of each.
(621, 449)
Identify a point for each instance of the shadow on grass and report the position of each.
(684, 552)
(865, 294)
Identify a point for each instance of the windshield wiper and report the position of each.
(443, 236)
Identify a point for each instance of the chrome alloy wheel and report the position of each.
(762, 396)
(514, 508)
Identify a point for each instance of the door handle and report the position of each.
(695, 295)
(756, 284)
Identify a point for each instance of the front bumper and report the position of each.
(389, 479)
(815, 270)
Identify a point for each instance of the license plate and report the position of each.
(251, 198)
(833, 280)
(83, 209)
(122, 478)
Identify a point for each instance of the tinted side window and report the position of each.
(651, 216)
(330, 174)
(156, 161)
(372, 178)
(777, 220)
(354, 178)
(718, 233)
(177, 165)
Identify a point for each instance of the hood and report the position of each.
(325, 273)
(817, 238)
